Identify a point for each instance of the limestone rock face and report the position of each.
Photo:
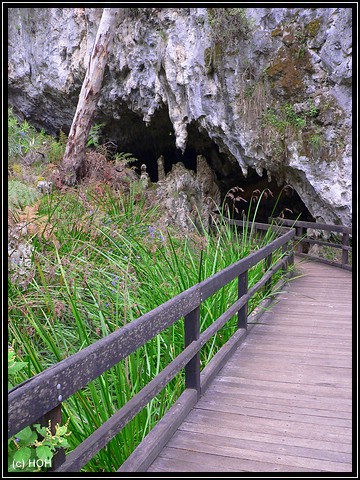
(272, 89)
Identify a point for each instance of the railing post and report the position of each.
(286, 264)
(192, 332)
(299, 234)
(345, 253)
(242, 290)
(268, 261)
(55, 417)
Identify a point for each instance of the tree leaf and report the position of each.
(44, 453)
(41, 430)
(22, 455)
(61, 430)
(16, 367)
(26, 436)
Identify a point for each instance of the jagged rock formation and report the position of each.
(161, 169)
(189, 198)
(272, 90)
(144, 176)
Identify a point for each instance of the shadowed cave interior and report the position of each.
(147, 143)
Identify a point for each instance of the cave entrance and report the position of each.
(260, 199)
(147, 143)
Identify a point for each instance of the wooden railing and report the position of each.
(302, 239)
(41, 396)
(280, 225)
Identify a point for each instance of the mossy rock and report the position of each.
(212, 58)
(313, 27)
(20, 194)
(277, 31)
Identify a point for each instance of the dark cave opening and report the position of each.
(147, 143)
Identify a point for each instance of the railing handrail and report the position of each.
(279, 225)
(302, 239)
(60, 381)
(314, 225)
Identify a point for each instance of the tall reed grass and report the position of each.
(107, 261)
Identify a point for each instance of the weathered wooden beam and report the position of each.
(218, 280)
(321, 242)
(192, 333)
(326, 261)
(143, 456)
(70, 375)
(313, 225)
(242, 290)
(345, 248)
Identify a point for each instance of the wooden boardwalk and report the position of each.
(283, 401)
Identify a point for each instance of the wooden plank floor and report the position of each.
(283, 401)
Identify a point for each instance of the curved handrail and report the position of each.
(60, 381)
(302, 239)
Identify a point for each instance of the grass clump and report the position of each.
(107, 261)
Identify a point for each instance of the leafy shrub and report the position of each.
(20, 194)
(33, 448)
(228, 25)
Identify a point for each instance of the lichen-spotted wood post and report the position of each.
(72, 166)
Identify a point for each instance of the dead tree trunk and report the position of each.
(72, 165)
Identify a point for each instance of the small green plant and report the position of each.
(14, 368)
(20, 136)
(20, 194)
(124, 158)
(94, 135)
(56, 152)
(228, 25)
(316, 141)
(291, 117)
(312, 109)
(285, 116)
(32, 449)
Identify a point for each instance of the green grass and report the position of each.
(109, 261)
(100, 260)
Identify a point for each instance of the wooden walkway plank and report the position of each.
(282, 403)
(273, 438)
(236, 448)
(176, 460)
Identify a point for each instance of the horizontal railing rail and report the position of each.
(41, 396)
(302, 239)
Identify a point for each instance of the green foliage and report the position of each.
(33, 447)
(316, 141)
(94, 135)
(24, 141)
(21, 136)
(291, 117)
(285, 116)
(124, 158)
(20, 194)
(228, 24)
(111, 260)
(14, 368)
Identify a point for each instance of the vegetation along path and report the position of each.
(283, 401)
